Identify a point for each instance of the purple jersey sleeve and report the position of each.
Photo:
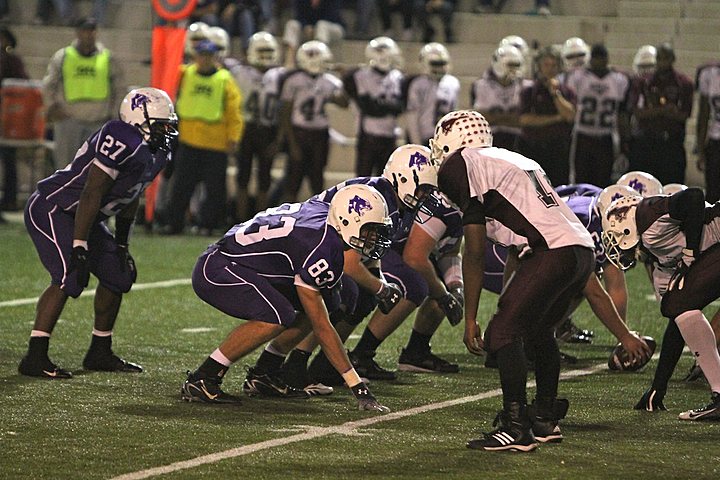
(578, 189)
(584, 208)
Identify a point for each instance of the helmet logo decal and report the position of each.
(358, 205)
(447, 125)
(418, 160)
(138, 101)
(637, 185)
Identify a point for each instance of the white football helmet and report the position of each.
(575, 52)
(263, 50)
(642, 182)
(508, 62)
(645, 60)
(220, 38)
(673, 188)
(360, 215)
(383, 53)
(435, 59)
(610, 194)
(517, 42)
(151, 111)
(195, 32)
(461, 128)
(413, 175)
(314, 57)
(620, 236)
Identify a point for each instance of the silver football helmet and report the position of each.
(620, 236)
(383, 53)
(645, 60)
(610, 194)
(314, 57)
(461, 128)
(360, 215)
(219, 37)
(151, 111)
(263, 50)
(517, 42)
(413, 175)
(194, 33)
(642, 182)
(575, 52)
(673, 188)
(435, 59)
(508, 62)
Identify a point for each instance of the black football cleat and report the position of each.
(425, 362)
(270, 385)
(651, 401)
(366, 366)
(513, 433)
(109, 363)
(42, 369)
(297, 377)
(205, 389)
(709, 412)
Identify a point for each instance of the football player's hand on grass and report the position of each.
(473, 338)
(366, 400)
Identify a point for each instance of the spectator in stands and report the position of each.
(81, 90)
(208, 105)
(66, 11)
(11, 66)
(4, 10)
(497, 95)
(245, 17)
(444, 9)
(313, 19)
(662, 108)
(404, 8)
(547, 111)
(601, 117)
(205, 11)
(542, 7)
(364, 11)
(708, 129)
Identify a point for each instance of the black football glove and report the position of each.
(366, 400)
(651, 401)
(677, 281)
(388, 296)
(127, 262)
(79, 265)
(452, 307)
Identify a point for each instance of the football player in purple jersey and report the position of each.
(679, 234)
(279, 271)
(494, 185)
(67, 220)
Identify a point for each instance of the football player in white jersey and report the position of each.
(601, 120)
(304, 123)
(431, 95)
(376, 92)
(492, 182)
(679, 233)
(707, 128)
(259, 82)
(496, 94)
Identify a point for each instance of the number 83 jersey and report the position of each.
(119, 150)
(289, 245)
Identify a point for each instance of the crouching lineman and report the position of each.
(679, 233)
(273, 270)
(66, 218)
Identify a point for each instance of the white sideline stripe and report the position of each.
(650, 296)
(347, 428)
(87, 293)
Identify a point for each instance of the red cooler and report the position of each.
(21, 109)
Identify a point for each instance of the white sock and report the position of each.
(699, 336)
(271, 349)
(39, 333)
(101, 333)
(218, 356)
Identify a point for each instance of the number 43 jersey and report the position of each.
(289, 245)
(119, 150)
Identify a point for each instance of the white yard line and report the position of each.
(87, 293)
(348, 428)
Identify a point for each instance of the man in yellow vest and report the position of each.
(81, 90)
(208, 105)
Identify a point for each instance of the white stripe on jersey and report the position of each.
(513, 177)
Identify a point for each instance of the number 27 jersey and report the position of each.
(289, 245)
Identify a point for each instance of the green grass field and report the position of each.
(103, 425)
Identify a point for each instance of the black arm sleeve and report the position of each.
(688, 206)
(475, 213)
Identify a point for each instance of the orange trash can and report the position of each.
(21, 109)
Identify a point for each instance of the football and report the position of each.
(620, 361)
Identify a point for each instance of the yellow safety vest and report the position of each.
(86, 78)
(201, 97)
